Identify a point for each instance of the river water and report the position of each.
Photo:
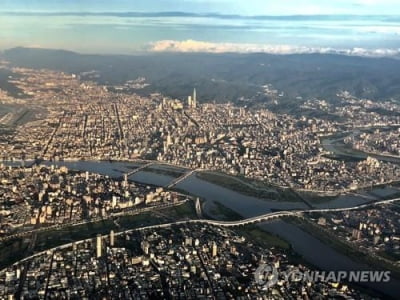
(325, 258)
(313, 250)
(335, 145)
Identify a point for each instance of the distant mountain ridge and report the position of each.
(230, 76)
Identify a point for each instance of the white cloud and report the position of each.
(201, 46)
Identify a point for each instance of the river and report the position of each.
(313, 250)
(335, 145)
(325, 258)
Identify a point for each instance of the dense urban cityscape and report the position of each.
(189, 262)
(199, 149)
(85, 121)
(58, 117)
(373, 230)
(50, 196)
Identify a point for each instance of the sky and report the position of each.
(243, 7)
(359, 27)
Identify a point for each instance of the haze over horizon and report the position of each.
(358, 27)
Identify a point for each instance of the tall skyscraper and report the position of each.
(125, 180)
(194, 104)
(214, 249)
(98, 245)
(112, 238)
(169, 139)
(190, 101)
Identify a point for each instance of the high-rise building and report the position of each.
(125, 180)
(98, 245)
(194, 104)
(114, 201)
(112, 238)
(356, 234)
(190, 101)
(188, 241)
(145, 245)
(169, 139)
(214, 249)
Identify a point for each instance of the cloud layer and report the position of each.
(128, 32)
(201, 46)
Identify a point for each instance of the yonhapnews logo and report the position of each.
(267, 276)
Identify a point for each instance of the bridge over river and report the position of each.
(253, 220)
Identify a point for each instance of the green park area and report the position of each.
(249, 187)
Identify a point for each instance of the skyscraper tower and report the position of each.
(98, 245)
(214, 249)
(125, 184)
(194, 104)
(112, 238)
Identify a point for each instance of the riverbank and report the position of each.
(249, 187)
(335, 145)
(346, 248)
(253, 233)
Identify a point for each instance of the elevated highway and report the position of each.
(253, 220)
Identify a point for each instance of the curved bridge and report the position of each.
(253, 220)
(267, 217)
